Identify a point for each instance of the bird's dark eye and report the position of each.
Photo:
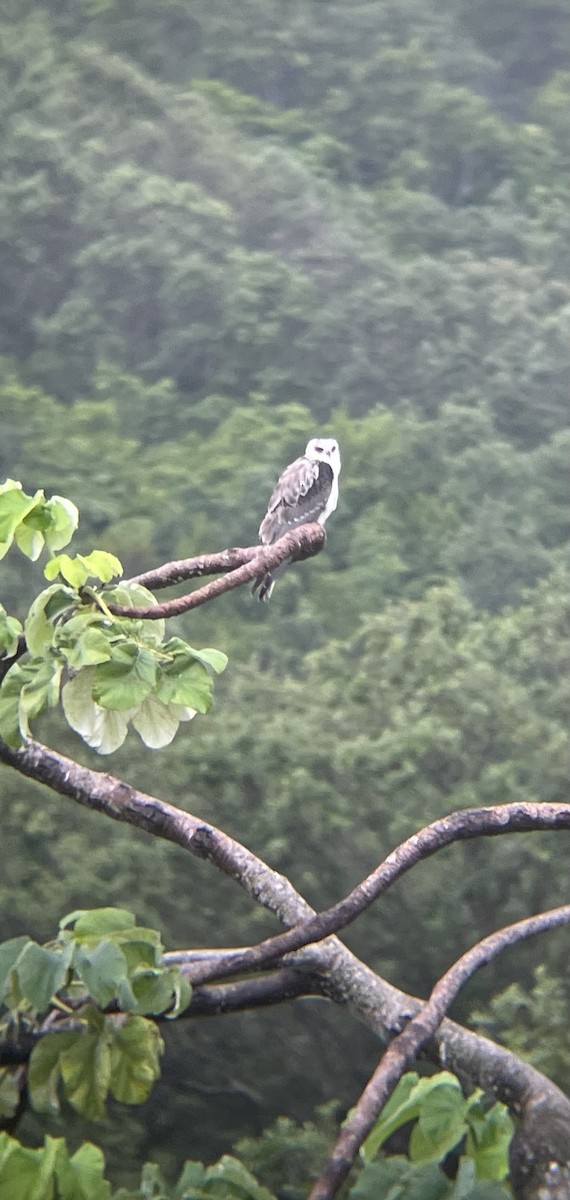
(319, 449)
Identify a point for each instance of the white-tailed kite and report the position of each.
(306, 491)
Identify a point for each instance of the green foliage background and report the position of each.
(222, 229)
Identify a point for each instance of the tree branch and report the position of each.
(343, 978)
(470, 823)
(301, 543)
(403, 1050)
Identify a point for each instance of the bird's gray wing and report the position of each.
(299, 497)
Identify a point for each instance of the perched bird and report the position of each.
(306, 491)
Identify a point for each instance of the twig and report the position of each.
(404, 1049)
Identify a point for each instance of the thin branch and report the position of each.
(403, 1050)
(470, 823)
(301, 543)
(8, 661)
(183, 569)
(212, 1000)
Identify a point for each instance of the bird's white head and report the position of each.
(324, 450)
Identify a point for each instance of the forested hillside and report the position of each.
(223, 229)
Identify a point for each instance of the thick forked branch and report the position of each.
(242, 566)
(403, 1050)
(342, 977)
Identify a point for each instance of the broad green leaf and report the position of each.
(157, 990)
(102, 565)
(121, 685)
(157, 722)
(88, 649)
(86, 1068)
(19, 1172)
(30, 541)
(102, 729)
(97, 922)
(403, 1106)
(190, 686)
(73, 570)
(42, 972)
(229, 1178)
(136, 1049)
(10, 630)
(102, 967)
(10, 690)
(441, 1123)
(82, 1176)
(48, 1172)
(216, 659)
(396, 1178)
(10, 952)
(15, 505)
(39, 628)
(44, 1070)
(489, 1136)
(41, 689)
(63, 521)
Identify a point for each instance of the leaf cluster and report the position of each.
(100, 960)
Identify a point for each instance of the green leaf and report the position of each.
(441, 1123)
(104, 730)
(82, 1177)
(41, 689)
(44, 1070)
(489, 1137)
(157, 722)
(124, 682)
(229, 1177)
(10, 630)
(41, 973)
(156, 990)
(10, 952)
(48, 1172)
(15, 505)
(63, 521)
(216, 659)
(10, 691)
(103, 968)
(97, 922)
(102, 565)
(403, 1106)
(85, 1067)
(135, 1055)
(39, 627)
(73, 570)
(395, 1178)
(190, 686)
(30, 541)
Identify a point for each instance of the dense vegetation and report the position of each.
(223, 228)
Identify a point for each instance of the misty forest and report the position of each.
(228, 227)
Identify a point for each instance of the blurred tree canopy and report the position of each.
(222, 228)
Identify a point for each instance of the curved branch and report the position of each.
(304, 542)
(403, 1050)
(459, 826)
